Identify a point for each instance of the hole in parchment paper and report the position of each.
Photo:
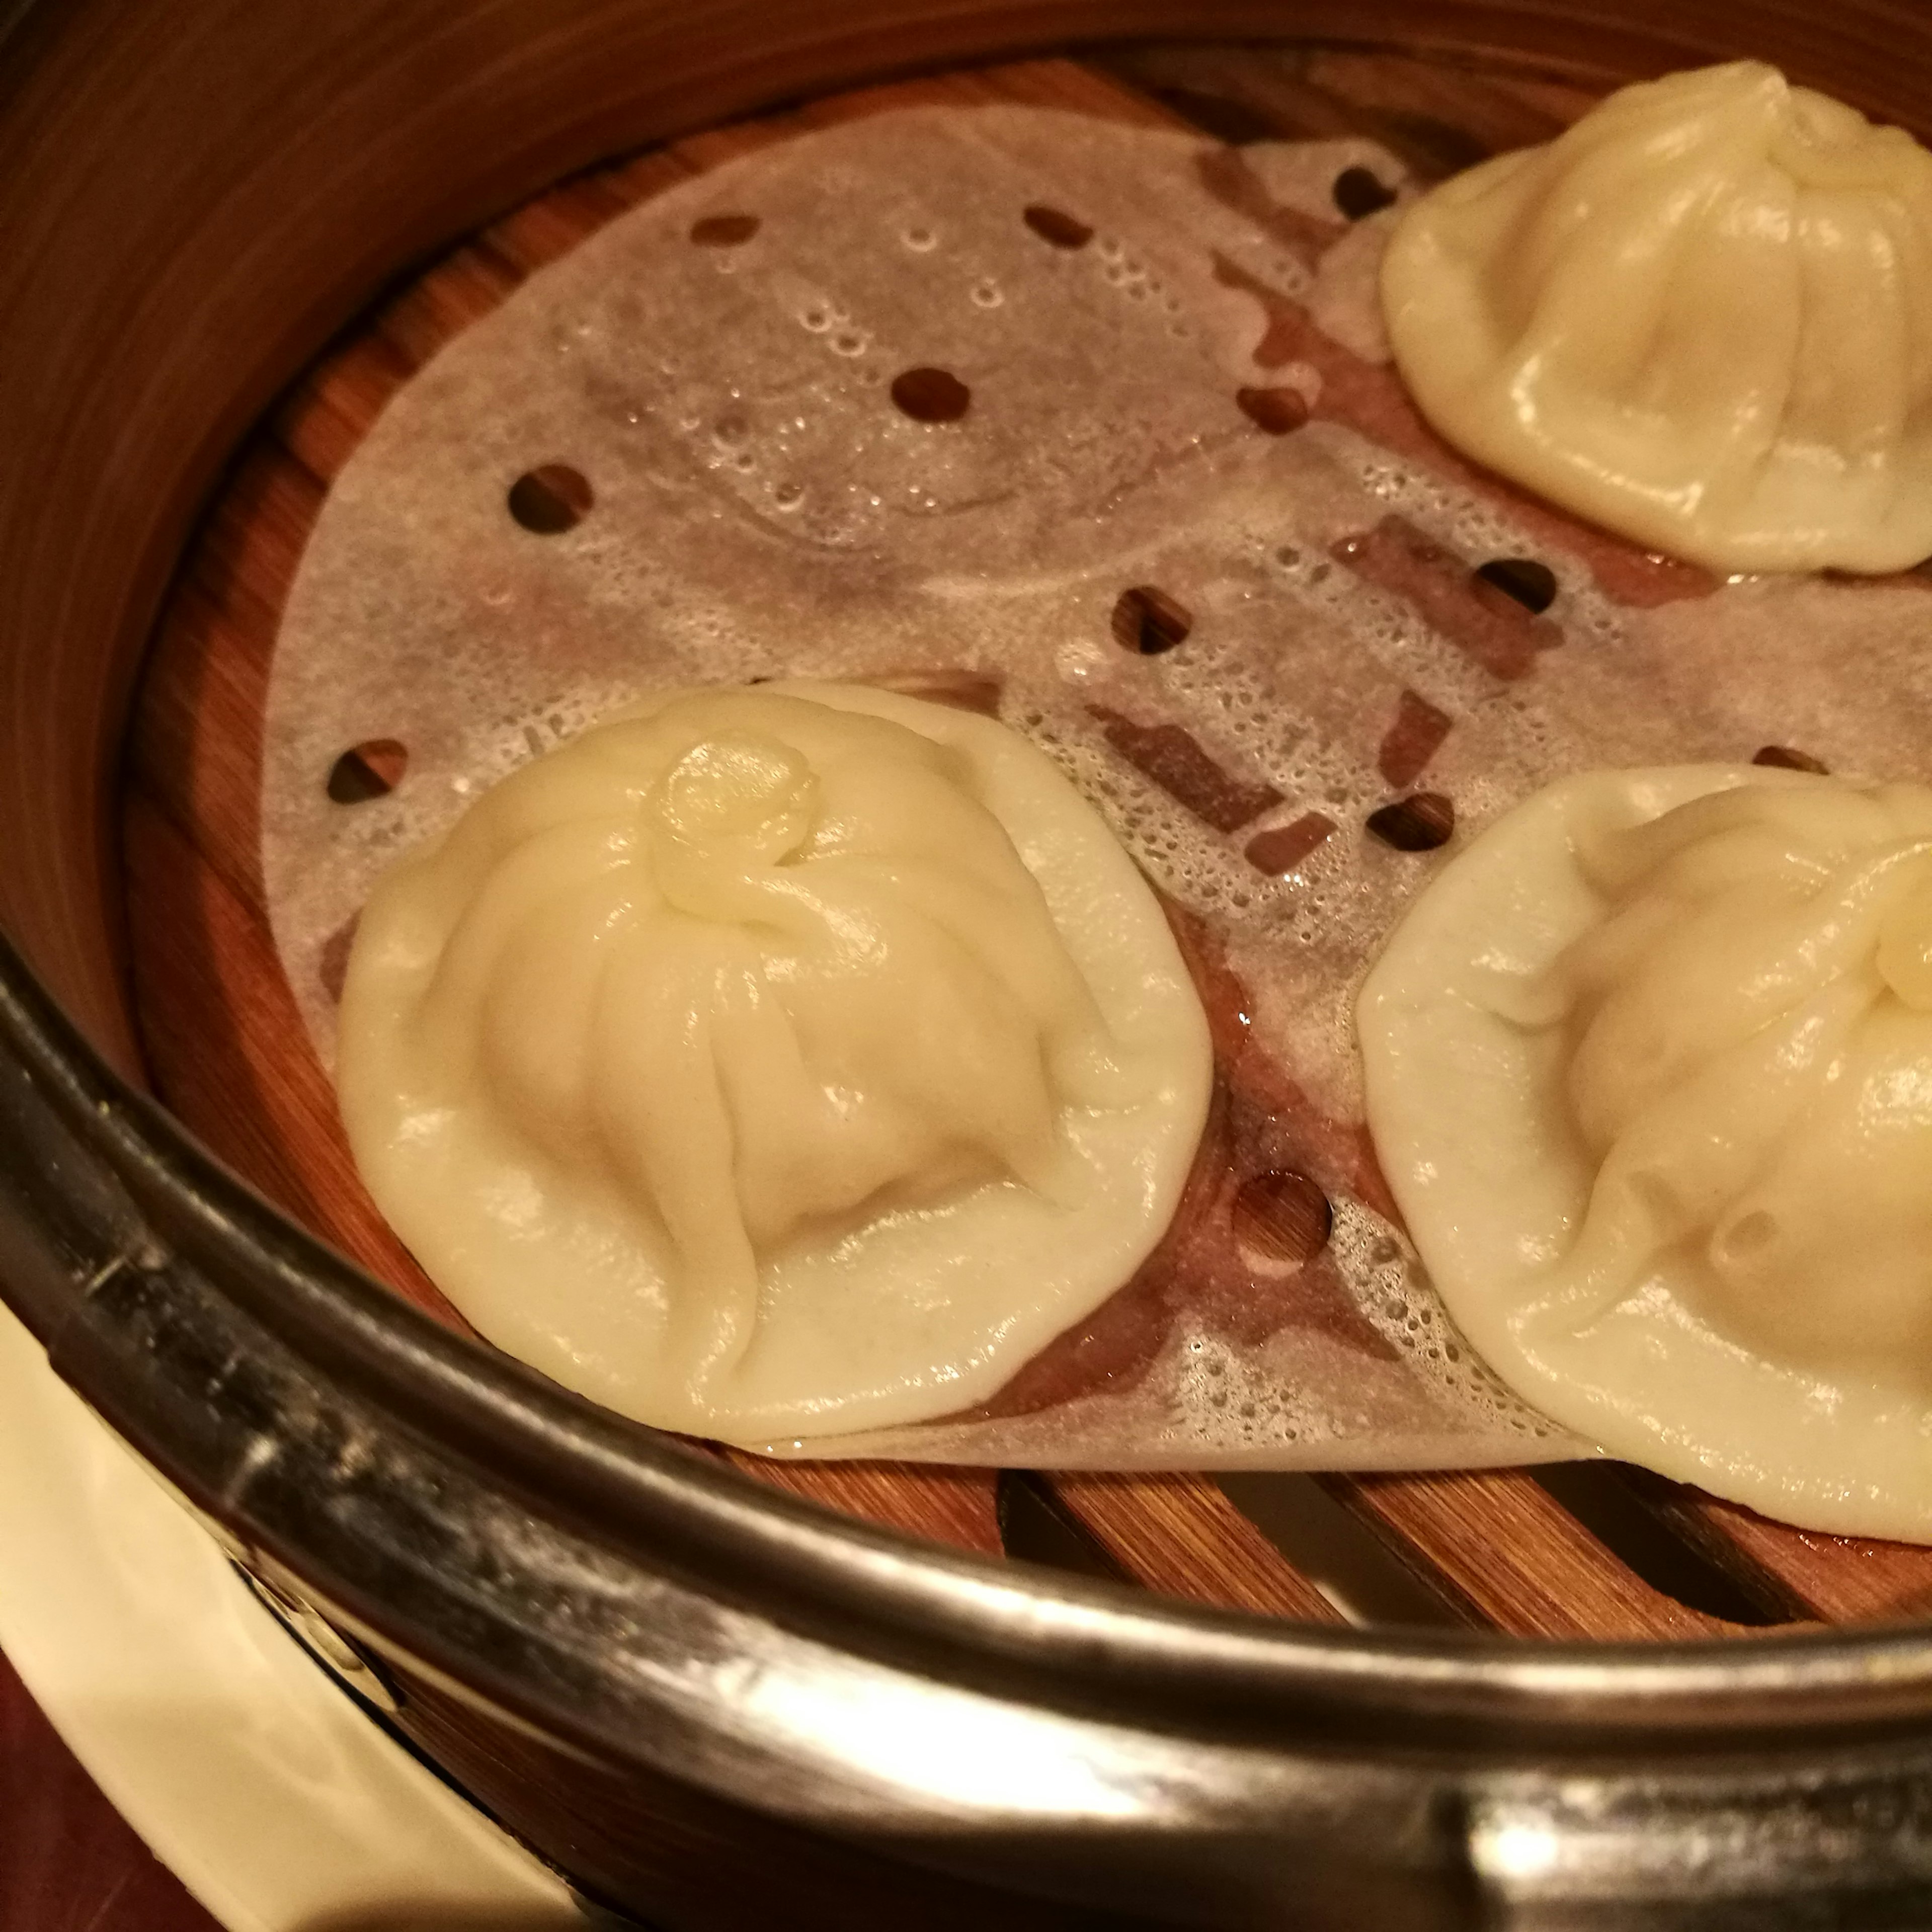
(550, 499)
(1417, 824)
(1277, 411)
(1056, 226)
(1281, 1221)
(1147, 620)
(1359, 192)
(1787, 759)
(1533, 585)
(371, 770)
(724, 231)
(931, 395)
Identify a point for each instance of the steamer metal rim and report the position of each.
(1075, 1742)
(899, 1692)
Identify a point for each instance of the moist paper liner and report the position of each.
(762, 509)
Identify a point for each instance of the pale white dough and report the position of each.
(1649, 1070)
(1702, 317)
(768, 1061)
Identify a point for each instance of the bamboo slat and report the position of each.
(1179, 1535)
(1497, 1546)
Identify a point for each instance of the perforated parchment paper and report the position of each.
(1178, 417)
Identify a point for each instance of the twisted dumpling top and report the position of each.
(1650, 1068)
(1702, 317)
(1748, 1042)
(739, 1003)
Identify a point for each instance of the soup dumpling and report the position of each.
(1702, 317)
(768, 1060)
(1649, 1070)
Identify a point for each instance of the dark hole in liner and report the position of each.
(371, 770)
(1281, 1221)
(1147, 620)
(1282, 847)
(1533, 585)
(1360, 192)
(550, 499)
(1608, 1500)
(1036, 1527)
(1416, 824)
(1057, 225)
(1277, 411)
(931, 395)
(1233, 121)
(1786, 759)
(724, 231)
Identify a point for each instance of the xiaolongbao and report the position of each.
(768, 1058)
(1650, 1071)
(1703, 317)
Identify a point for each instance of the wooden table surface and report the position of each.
(68, 1861)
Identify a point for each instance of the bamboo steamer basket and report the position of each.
(715, 1692)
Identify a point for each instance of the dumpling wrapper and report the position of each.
(1649, 1070)
(1702, 317)
(767, 1060)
